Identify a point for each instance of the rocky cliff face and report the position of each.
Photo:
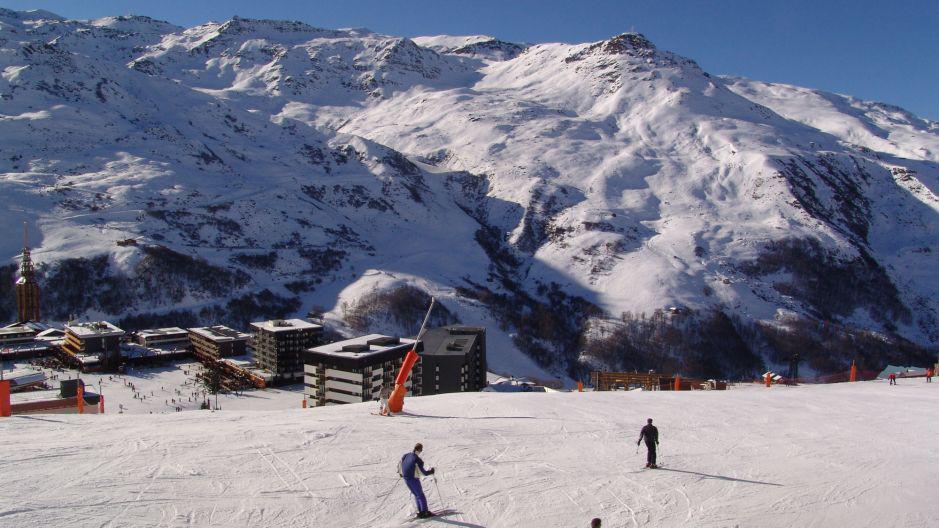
(239, 169)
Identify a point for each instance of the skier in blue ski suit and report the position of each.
(412, 468)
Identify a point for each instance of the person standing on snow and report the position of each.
(929, 375)
(651, 435)
(383, 397)
(893, 378)
(412, 468)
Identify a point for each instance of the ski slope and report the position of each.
(840, 455)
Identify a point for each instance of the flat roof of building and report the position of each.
(20, 377)
(246, 362)
(33, 396)
(133, 350)
(46, 395)
(16, 331)
(220, 334)
(157, 332)
(285, 325)
(26, 347)
(364, 346)
(453, 340)
(39, 327)
(94, 329)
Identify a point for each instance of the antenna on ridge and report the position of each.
(25, 234)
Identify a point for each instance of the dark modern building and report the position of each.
(454, 359)
(279, 346)
(217, 342)
(355, 370)
(93, 345)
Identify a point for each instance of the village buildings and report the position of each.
(355, 370)
(279, 345)
(162, 337)
(218, 342)
(93, 345)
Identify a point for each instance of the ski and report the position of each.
(436, 514)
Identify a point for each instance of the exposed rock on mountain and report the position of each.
(237, 169)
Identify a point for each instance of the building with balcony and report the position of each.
(355, 370)
(216, 342)
(454, 360)
(17, 333)
(162, 337)
(279, 346)
(92, 346)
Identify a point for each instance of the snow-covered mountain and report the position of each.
(254, 168)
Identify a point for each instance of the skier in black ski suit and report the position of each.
(411, 468)
(651, 435)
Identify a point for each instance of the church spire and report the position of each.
(27, 271)
(27, 289)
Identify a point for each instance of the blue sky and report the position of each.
(882, 51)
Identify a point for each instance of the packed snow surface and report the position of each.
(839, 455)
(159, 390)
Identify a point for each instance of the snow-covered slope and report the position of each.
(837, 455)
(251, 167)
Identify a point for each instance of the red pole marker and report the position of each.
(5, 411)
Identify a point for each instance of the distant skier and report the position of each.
(412, 468)
(650, 434)
(893, 378)
(929, 375)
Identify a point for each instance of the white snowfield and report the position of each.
(840, 455)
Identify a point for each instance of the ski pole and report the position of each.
(393, 486)
(439, 496)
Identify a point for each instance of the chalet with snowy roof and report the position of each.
(355, 370)
(279, 346)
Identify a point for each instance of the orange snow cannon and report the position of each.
(396, 399)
